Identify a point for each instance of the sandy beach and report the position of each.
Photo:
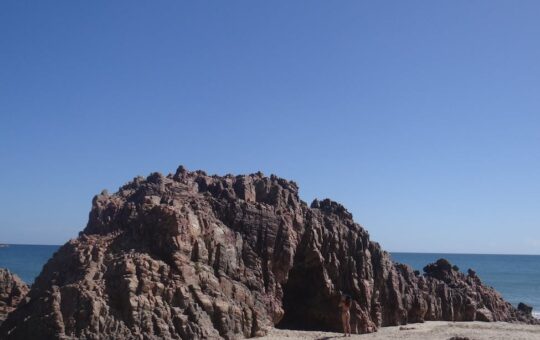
(433, 330)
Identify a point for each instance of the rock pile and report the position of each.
(192, 256)
(12, 291)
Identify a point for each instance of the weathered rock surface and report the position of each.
(192, 256)
(12, 291)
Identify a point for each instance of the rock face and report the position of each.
(192, 256)
(12, 291)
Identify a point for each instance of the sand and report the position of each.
(433, 330)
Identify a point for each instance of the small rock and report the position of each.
(12, 291)
(524, 308)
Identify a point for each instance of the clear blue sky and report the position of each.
(422, 118)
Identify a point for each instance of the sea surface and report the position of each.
(25, 260)
(516, 277)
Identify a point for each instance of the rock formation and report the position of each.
(192, 256)
(12, 291)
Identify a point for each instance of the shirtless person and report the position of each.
(345, 306)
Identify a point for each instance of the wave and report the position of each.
(536, 314)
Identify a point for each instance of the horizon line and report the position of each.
(447, 253)
(388, 251)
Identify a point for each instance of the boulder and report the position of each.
(525, 309)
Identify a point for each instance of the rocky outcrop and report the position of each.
(192, 256)
(12, 291)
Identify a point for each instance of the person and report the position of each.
(345, 305)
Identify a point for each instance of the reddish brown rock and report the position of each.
(12, 292)
(192, 256)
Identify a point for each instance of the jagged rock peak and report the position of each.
(330, 207)
(168, 190)
(253, 188)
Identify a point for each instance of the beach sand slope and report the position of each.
(432, 330)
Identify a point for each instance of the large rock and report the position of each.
(12, 291)
(191, 256)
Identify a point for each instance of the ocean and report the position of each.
(516, 277)
(25, 260)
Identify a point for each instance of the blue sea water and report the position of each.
(516, 277)
(25, 260)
